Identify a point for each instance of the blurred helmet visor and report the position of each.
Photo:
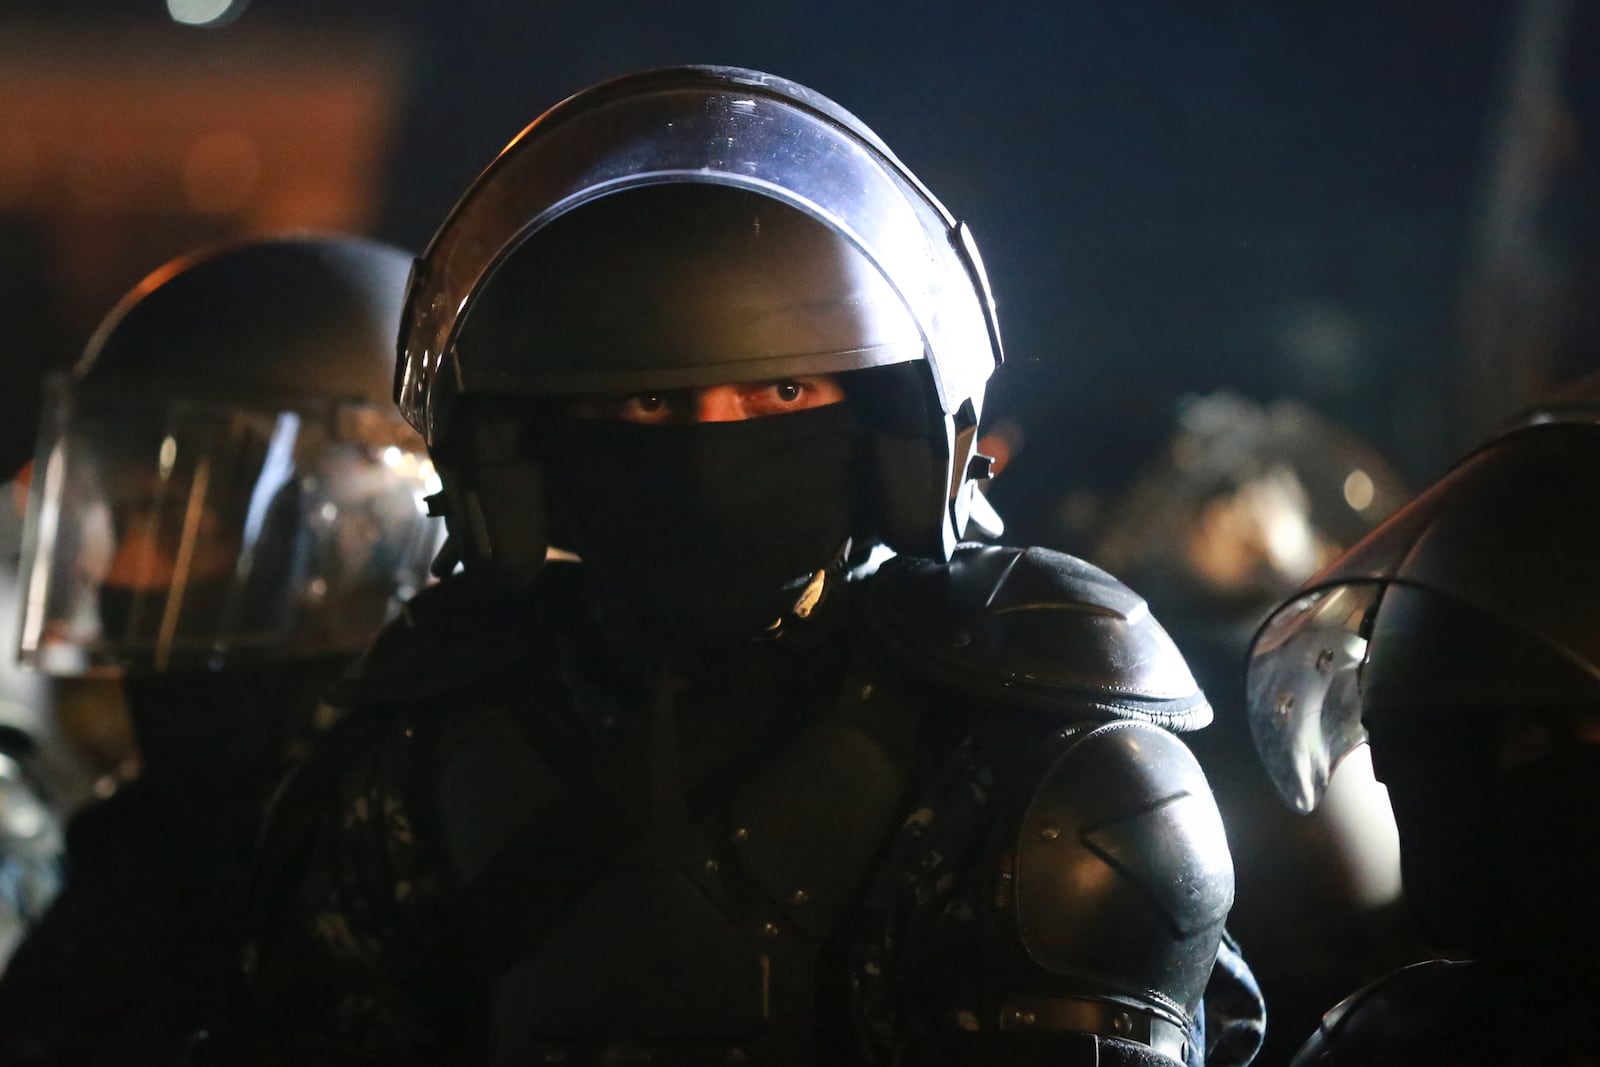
(169, 534)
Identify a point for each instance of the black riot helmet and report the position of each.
(683, 228)
(222, 477)
(1462, 638)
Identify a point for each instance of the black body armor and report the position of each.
(767, 867)
(720, 795)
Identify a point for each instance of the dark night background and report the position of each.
(1280, 199)
(1274, 198)
(1388, 211)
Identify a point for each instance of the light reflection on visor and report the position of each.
(1303, 688)
(170, 533)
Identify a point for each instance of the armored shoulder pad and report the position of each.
(1037, 629)
(1123, 876)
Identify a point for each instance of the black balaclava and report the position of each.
(706, 533)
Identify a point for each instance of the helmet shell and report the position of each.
(579, 262)
(303, 316)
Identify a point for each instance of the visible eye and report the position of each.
(645, 407)
(781, 395)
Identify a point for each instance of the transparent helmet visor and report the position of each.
(172, 534)
(1303, 688)
(702, 130)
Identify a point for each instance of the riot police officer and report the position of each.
(1459, 639)
(225, 508)
(1238, 508)
(781, 772)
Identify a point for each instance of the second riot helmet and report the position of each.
(223, 477)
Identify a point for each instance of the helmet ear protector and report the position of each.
(910, 480)
(502, 304)
(488, 480)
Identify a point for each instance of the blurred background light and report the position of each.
(204, 12)
(1359, 490)
(18, 164)
(220, 171)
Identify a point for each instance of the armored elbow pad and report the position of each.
(1122, 883)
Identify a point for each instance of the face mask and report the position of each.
(708, 531)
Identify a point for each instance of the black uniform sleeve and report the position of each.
(345, 965)
(357, 955)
